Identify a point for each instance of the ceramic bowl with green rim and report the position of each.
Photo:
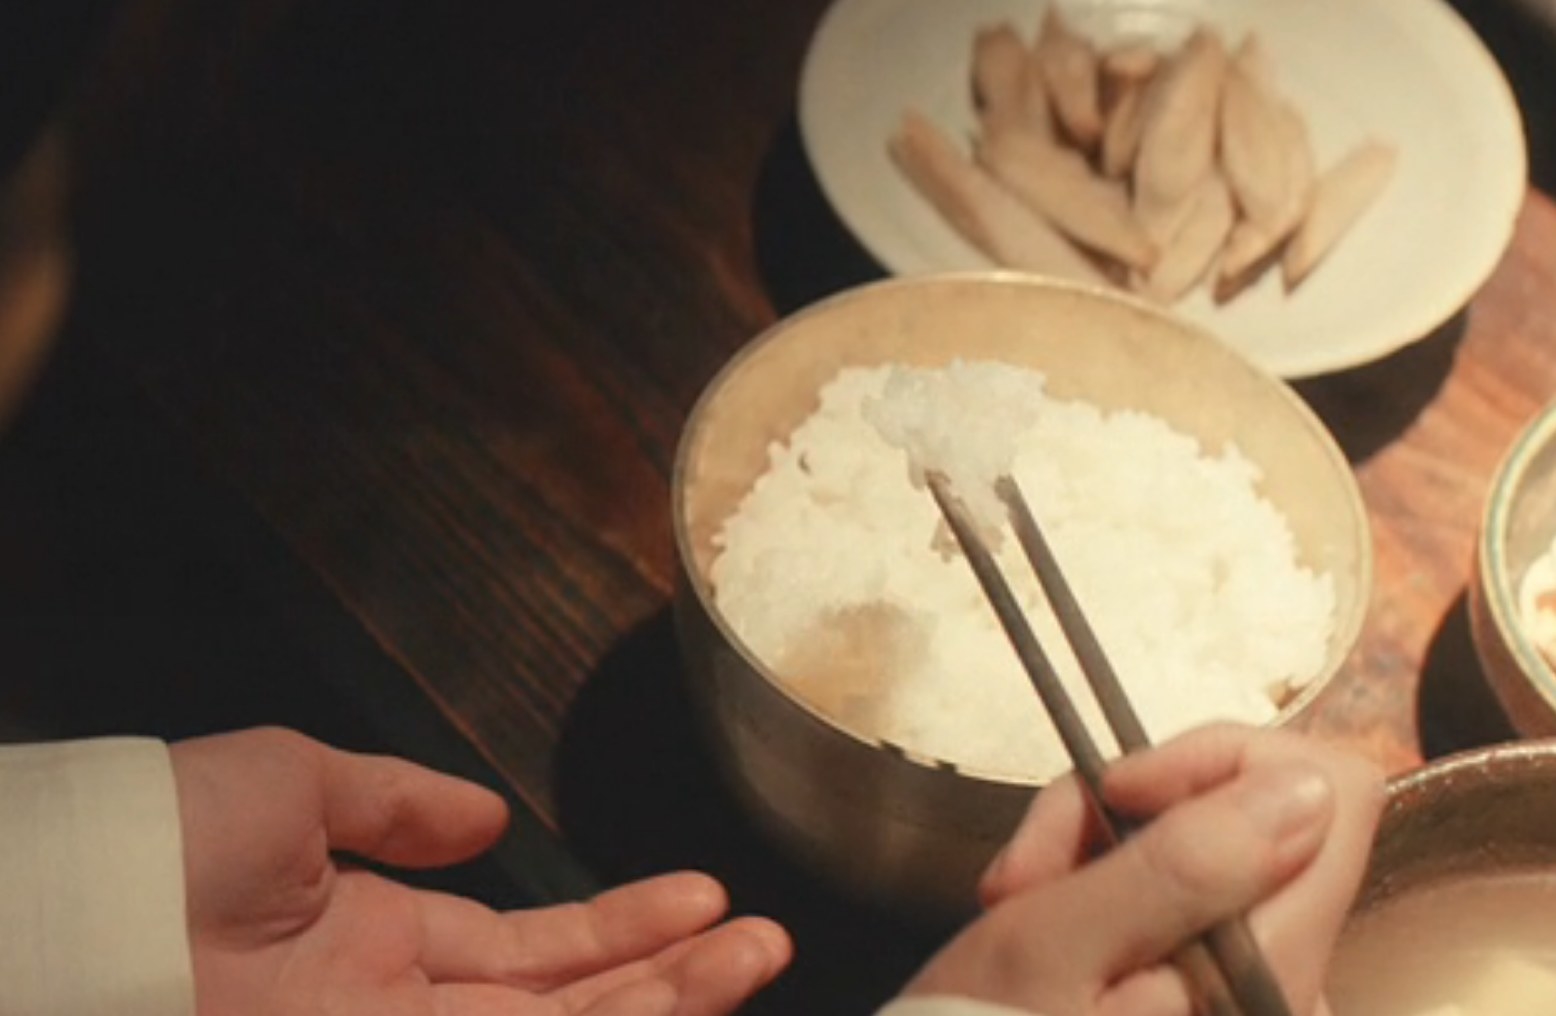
(1514, 561)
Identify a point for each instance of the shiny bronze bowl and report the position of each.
(1516, 528)
(1479, 811)
(916, 830)
(1485, 813)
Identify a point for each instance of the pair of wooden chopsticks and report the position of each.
(1225, 968)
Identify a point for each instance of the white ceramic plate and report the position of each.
(1408, 71)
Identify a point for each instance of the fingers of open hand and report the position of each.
(641, 998)
(649, 931)
(710, 974)
(638, 992)
(717, 972)
(403, 814)
(628, 923)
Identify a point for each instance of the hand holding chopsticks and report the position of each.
(1225, 969)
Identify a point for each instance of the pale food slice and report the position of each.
(1254, 246)
(1178, 132)
(1253, 148)
(999, 76)
(1188, 256)
(1121, 136)
(1341, 195)
(1058, 184)
(1068, 64)
(978, 208)
(1131, 61)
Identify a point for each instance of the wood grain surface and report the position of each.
(1425, 430)
(432, 287)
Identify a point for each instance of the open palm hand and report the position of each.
(280, 927)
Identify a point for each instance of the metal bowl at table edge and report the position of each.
(1485, 812)
(1475, 812)
(910, 831)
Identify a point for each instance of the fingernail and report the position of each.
(1285, 800)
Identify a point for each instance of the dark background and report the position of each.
(137, 594)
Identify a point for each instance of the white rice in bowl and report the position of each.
(833, 570)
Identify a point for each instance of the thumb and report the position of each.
(399, 813)
(1206, 860)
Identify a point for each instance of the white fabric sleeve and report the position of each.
(946, 1005)
(92, 881)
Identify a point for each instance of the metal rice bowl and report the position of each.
(915, 832)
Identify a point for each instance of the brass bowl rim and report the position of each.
(1347, 631)
(1414, 799)
(1410, 852)
(1485, 761)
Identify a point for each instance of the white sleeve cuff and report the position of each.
(92, 918)
(946, 1005)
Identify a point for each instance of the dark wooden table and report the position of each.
(427, 290)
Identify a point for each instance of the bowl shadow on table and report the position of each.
(804, 252)
(638, 793)
(1367, 407)
(1456, 710)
